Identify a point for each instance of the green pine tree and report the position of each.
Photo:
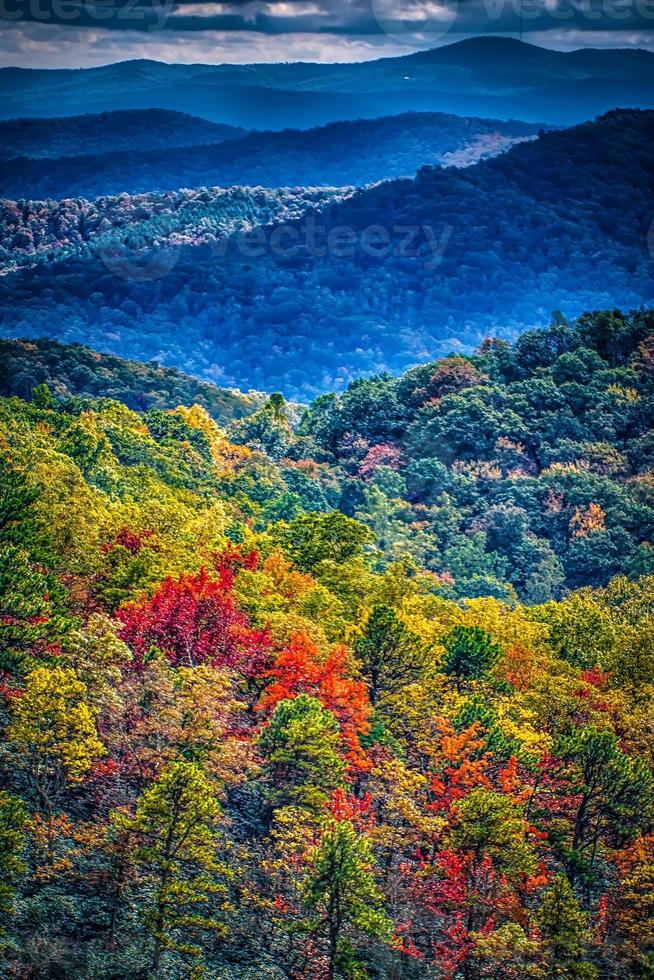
(390, 656)
(18, 522)
(469, 652)
(175, 827)
(566, 936)
(27, 613)
(300, 747)
(342, 894)
(13, 821)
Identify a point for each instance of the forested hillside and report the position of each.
(35, 232)
(489, 470)
(317, 702)
(115, 132)
(525, 467)
(70, 370)
(340, 154)
(412, 269)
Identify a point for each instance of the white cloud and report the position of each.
(51, 45)
(35, 45)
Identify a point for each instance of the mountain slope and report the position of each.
(497, 77)
(349, 153)
(390, 276)
(273, 705)
(107, 132)
(120, 229)
(73, 369)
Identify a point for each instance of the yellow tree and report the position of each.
(175, 830)
(633, 906)
(52, 733)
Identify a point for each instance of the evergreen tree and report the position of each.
(469, 652)
(390, 656)
(341, 891)
(175, 828)
(25, 611)
(300, 747)
(615, 791)
(566, 935)
(43, 398)
(13, 822)
(17, 498)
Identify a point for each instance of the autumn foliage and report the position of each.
(194, 619)
(288, 717)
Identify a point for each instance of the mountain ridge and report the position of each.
(78, 370)
(256, 95)
(289, 318)
(472, 44)
(51, 138)
(339, 154)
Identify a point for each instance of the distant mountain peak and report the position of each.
(486, 45)
(495, 76)
(495, 42)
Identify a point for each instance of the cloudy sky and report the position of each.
(80, 33)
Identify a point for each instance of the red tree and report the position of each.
(383, 454)
(299, 669)
(195, 619)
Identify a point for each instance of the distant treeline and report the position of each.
(557, 223)
(70, 370)
(340, 154)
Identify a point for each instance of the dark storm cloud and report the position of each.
(75, 33)
(347, 18)
(375, 17)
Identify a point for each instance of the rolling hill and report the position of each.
(73, 369)
(346, 153)
(486, 76)
(392, 275)
(107, 132)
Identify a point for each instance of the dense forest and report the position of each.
(412, 269)
(342, 153)
(119, 131)
(364, 697)
(72, 369)
(33, 232)
(486, 469)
